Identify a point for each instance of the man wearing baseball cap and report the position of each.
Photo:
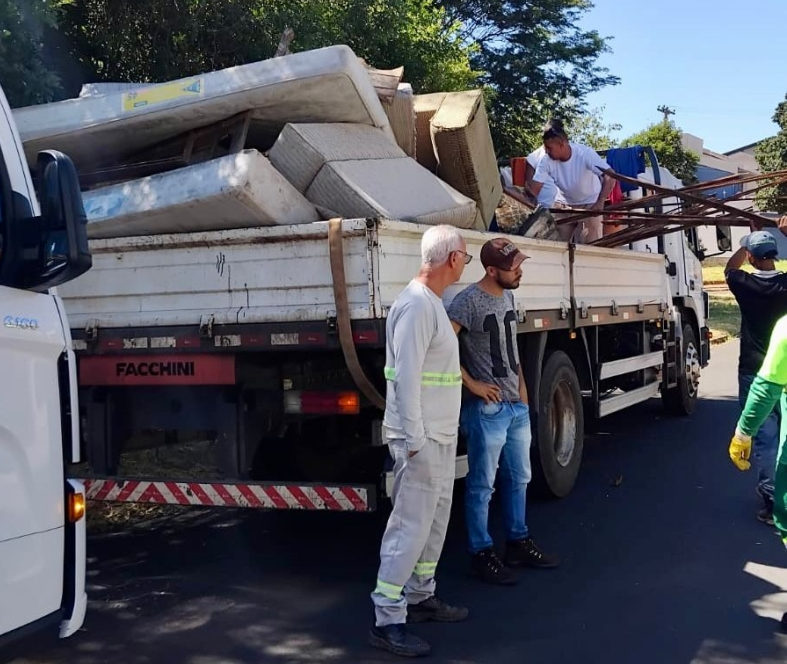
(762, 298)
(495, 418)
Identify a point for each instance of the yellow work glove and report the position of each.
(740, 450)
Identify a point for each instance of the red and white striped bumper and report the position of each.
(236, 494)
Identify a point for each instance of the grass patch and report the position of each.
(724, 314)
(712, 274)
(713, 269)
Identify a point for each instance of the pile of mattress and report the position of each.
(324, 85)
(355, 171)
(237, 191)
(333, 148)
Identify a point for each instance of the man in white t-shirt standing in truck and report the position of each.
(581, 174)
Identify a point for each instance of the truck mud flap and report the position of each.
(256, 495)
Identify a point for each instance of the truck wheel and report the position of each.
(561, 425)
(682, 399)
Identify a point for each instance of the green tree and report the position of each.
(771, 156)
(153, 41)
(590, 129)
(665, 139)
(583, 126)
(535, 58)
(24, 74)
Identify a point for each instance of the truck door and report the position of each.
(32, 519)
(31, 460)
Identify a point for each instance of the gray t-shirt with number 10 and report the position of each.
(487, 344)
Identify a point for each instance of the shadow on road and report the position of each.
(663, 562)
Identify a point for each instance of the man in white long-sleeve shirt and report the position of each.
(421, 421)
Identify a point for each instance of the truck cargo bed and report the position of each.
(283, 274)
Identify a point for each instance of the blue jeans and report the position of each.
(765, 444)
(498, 435)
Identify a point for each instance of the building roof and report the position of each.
(743, 148)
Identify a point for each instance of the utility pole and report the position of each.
(667, 111)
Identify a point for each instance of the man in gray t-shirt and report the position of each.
(495, 417)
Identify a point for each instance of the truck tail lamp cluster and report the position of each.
(298, 402)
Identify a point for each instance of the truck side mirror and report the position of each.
(56, 249)
(724, 238)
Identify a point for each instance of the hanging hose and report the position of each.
(336, 252)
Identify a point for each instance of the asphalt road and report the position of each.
(664, 563)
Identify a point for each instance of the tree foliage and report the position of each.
(771, 156)
(665, 139)
(24, 74)
(153, 41)
(535, 58)
(531, 56)
(590, 128)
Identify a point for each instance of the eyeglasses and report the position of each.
(468, 257)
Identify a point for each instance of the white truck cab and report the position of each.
(683, 254)
(42, 524)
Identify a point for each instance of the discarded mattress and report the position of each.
(390, 188)
(401, 115)
(237, 191)
(324, 85)
(303, 149)
(425, 108)
(465, 153)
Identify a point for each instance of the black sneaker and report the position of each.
(396, 639)
(765, 515)
(490, 569)
(435, 610)
(526, 553)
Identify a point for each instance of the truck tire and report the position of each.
(682, 399)
(561, 425)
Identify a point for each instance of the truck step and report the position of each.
(618, 402)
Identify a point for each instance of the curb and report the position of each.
(719, 338)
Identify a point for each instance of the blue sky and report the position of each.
(721, 65)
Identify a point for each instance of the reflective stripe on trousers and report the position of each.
(414, 536)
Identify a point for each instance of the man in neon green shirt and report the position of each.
(767, 388)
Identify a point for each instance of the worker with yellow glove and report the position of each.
(766, 390)
(740, 450)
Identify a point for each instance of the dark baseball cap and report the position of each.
(502, 254)
(760, 244)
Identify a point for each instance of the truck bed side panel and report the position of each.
(545, 281)
(282, 274)
(251, 276)
(627, 277)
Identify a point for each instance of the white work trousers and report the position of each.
(413, 539)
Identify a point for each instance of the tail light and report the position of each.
(321, 403)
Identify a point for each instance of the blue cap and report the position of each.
(760, 244)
